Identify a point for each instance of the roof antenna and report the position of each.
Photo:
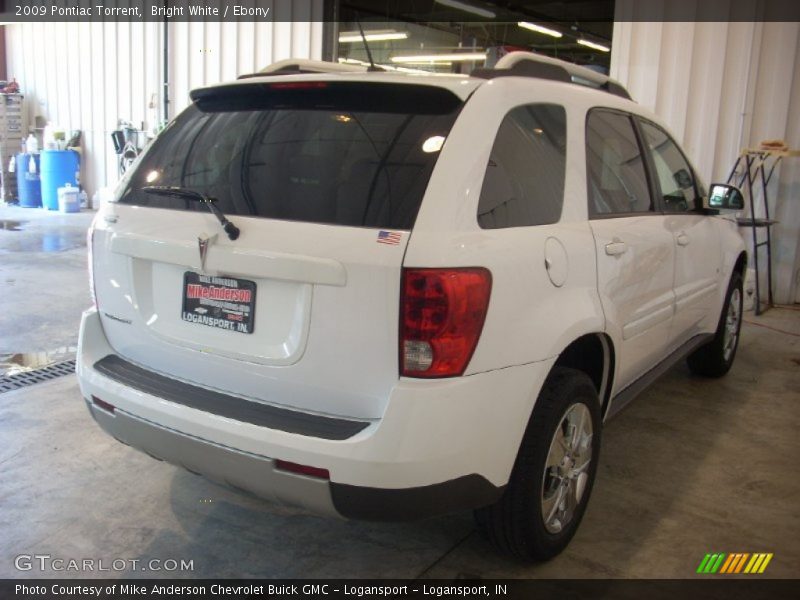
(372, 66)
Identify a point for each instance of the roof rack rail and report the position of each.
(528, 64)
(297, 66)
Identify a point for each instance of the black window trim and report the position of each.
(649, 167)
(697, 209)
(654, 197)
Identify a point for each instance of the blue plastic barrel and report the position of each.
(57, 168)
(29, 186)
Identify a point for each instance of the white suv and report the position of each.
(389, 296)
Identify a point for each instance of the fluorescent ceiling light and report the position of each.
(540, 29)
(384, 35)
(481, 12)
(594, 46)
(439, 58)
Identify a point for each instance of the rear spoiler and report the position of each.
(345, 96)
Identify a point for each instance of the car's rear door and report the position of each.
(635, 253)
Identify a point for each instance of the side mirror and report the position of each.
(724, 197)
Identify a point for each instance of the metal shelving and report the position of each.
(757, 166)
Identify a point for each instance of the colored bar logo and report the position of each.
(737, 562)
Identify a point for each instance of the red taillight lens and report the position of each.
(441, 317)
(285, 465)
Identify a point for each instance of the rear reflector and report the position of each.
(102, 404)
(441, 318)
(285, 465)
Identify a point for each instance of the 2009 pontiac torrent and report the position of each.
(389, 296)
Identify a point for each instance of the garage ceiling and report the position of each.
(575, 19)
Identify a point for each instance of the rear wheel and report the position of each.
(554, 472)
(715, 358)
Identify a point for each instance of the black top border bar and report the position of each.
(31, 11)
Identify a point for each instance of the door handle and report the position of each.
(683, 239)
(616, 248)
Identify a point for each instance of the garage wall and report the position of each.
(88, 75)
(723, 86)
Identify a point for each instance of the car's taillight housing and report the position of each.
(89, 246)
(441, 317)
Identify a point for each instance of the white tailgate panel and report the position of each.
(326, 308)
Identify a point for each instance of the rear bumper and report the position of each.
(259, 475)
(442, 446)
(250, 472)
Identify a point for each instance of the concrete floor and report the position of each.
(43, 278)
(693, 466)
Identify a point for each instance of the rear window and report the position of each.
(343, 154)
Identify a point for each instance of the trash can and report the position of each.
(57, 168)
(29, 185)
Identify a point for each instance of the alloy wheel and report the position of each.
(732, 318)
(566, 469)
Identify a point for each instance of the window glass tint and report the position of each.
(524, 180)
(673, 173)
(616, 180)
(321, 162)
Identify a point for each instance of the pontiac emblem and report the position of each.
(203, 242)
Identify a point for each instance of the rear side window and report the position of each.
(616, 179)
(524, 180)
(341, 153)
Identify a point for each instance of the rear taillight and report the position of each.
(89, 244)
(441, 317)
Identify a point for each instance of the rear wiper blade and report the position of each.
(180, 192)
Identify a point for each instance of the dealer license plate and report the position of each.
(220, 302)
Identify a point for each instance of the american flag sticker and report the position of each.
(389, 237)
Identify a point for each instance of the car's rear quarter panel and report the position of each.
(529, 318)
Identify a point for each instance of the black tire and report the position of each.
(714, 359)
(515, 523)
